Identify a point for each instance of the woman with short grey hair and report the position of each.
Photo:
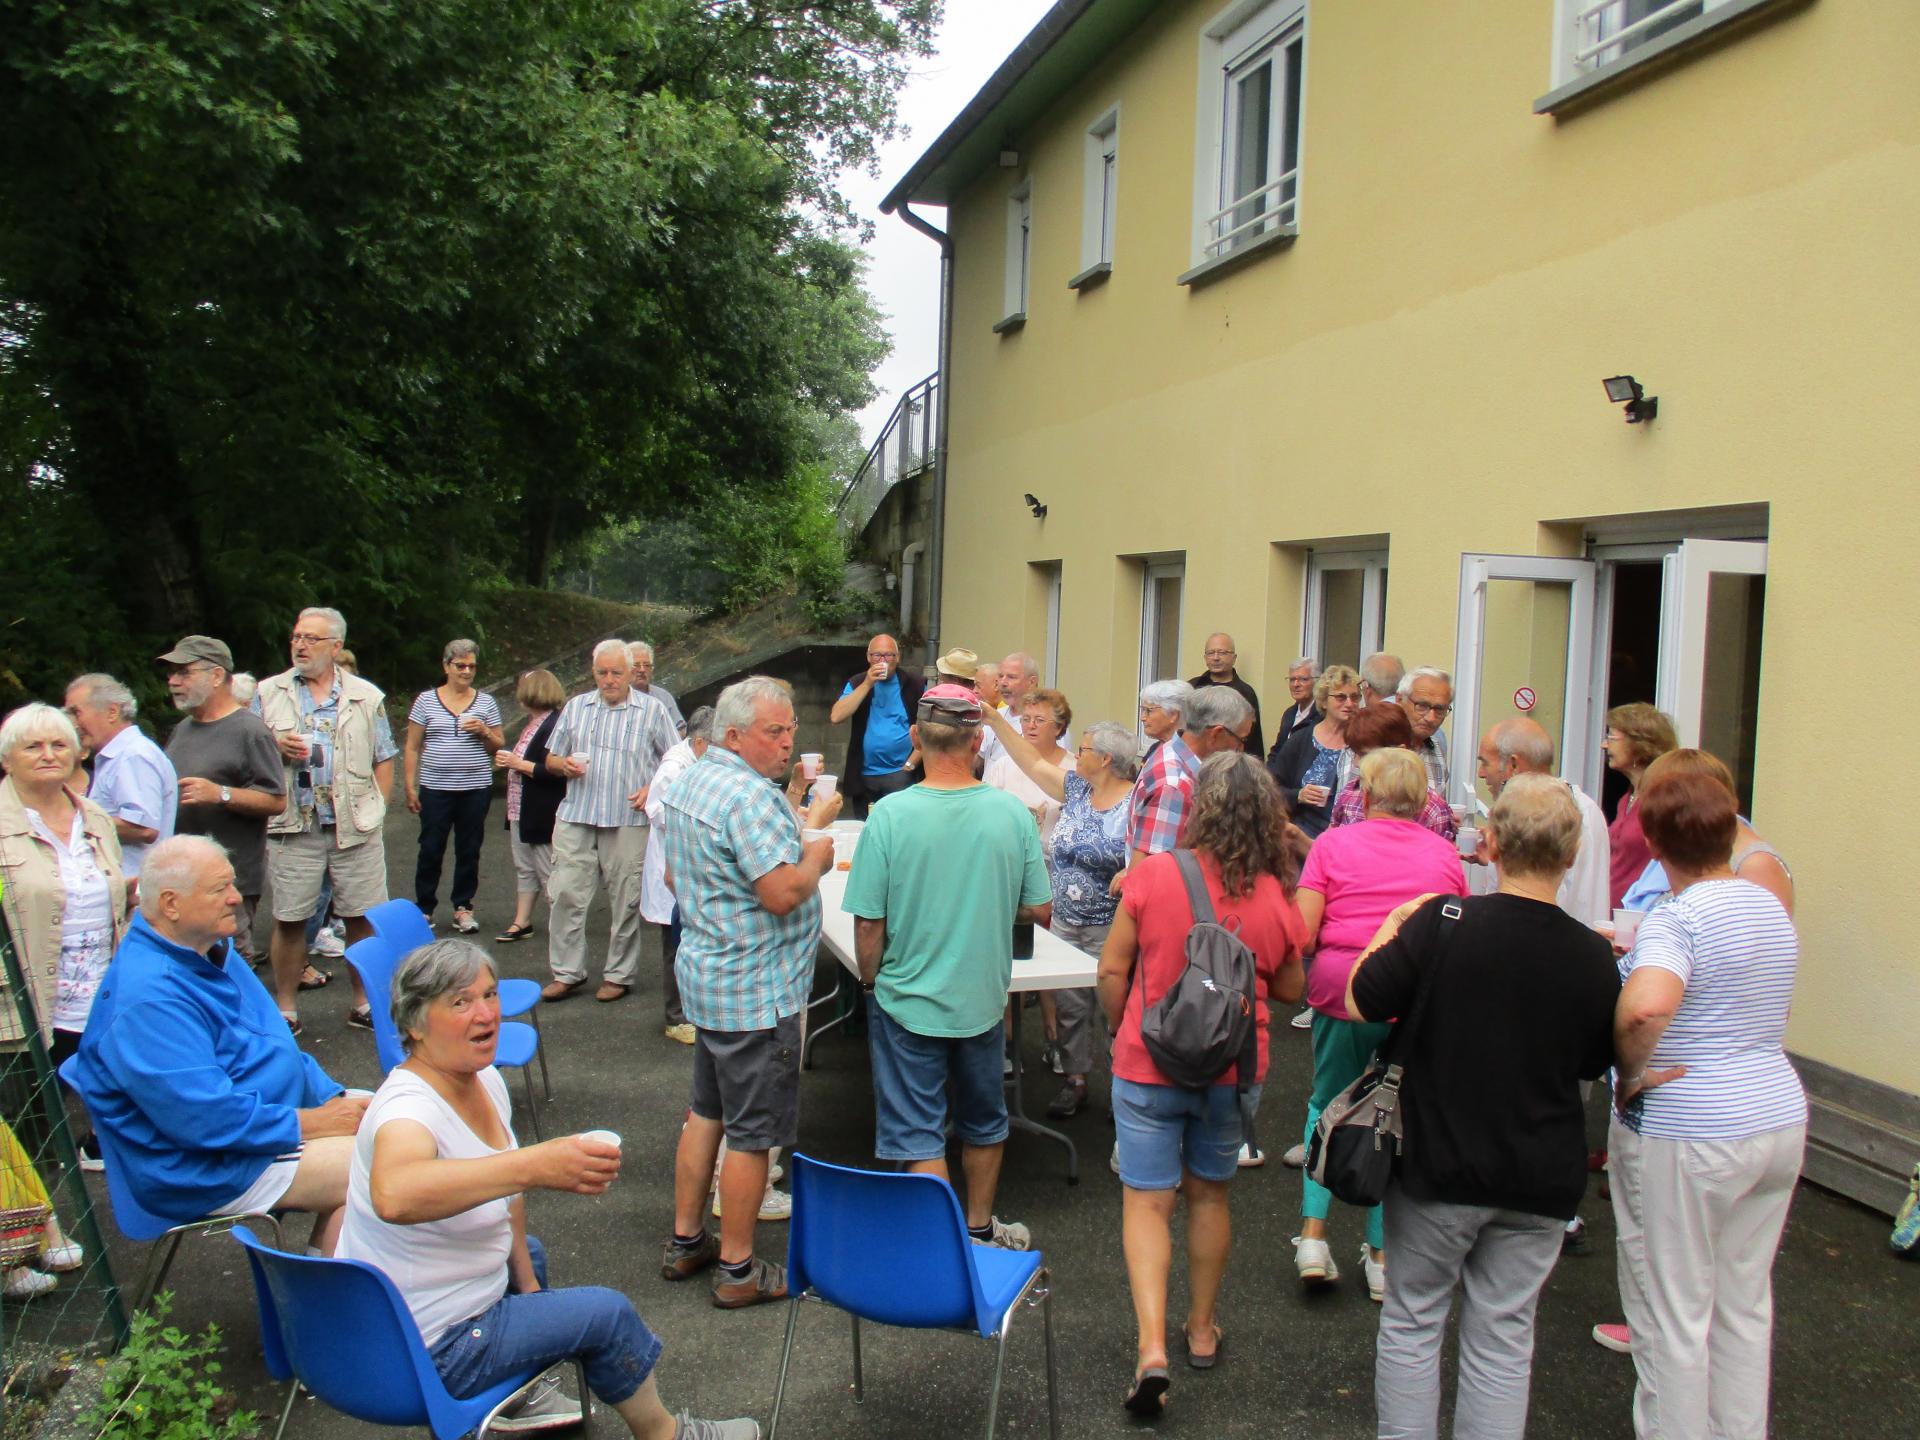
(1085, 856)
(1163, 708)
(435, 1198)
(453, 731)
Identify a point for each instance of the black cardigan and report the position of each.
(1288, 764)
(542, 791)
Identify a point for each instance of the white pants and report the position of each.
(532, 865)
(1699, 1224)
(584, 857)
(1500, 1261)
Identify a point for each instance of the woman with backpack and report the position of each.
(1176, 1138)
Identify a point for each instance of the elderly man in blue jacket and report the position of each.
(188, 1065)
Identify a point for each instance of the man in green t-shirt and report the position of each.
(943, 872)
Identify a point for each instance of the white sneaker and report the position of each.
(59, 1258)
(1376, 1272)
(1251, 1158)
(1113, 1160)
(1295, 1158)
(328, 945)
(1008, 1235)
(543, 1405)
(685, 1427)
(23, 1283)
(1304, 1020)
(1314, 1260)
(774, 1205)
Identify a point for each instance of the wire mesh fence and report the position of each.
(59, 1301)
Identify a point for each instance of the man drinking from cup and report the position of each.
(879, 704)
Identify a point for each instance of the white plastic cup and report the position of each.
(580, 758)
(1468, 839)
(810, 765)
(824, 786)
(605, 1137)
(1626, 924)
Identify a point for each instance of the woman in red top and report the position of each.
(1637, 735)
(1173, 1140)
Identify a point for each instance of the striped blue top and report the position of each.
(1734, 948)
(450, 758)
(623, 744)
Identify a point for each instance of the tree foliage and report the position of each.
(371, 303)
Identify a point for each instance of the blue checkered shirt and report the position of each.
(623, 744)
(741, 967)
(1160, 796)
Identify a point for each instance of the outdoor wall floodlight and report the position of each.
(1039, 510)
(1625, 390)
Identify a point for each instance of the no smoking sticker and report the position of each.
(1524, 698)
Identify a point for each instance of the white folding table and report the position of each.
(1055, 965)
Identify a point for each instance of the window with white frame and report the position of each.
(1252, 64)
(1594, 33)
(1163, 582)
(1019, 247)
(1346, 609)
(1099, 207)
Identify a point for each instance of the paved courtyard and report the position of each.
(1294, 1364)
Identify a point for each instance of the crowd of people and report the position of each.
(1332, 856)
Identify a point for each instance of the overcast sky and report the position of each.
(904, 270)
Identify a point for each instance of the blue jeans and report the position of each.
(910, 1075)
(1162, 1129)
(520, 1333)
(464, 813)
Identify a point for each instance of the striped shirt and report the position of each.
(453, 759)
(623, 744)
(741, 967)
(665, 697)
(1734, 948)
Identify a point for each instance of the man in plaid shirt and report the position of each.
(1216, 719)
(749, 895)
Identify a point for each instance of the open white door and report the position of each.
(1525, 647)
(1712, 607)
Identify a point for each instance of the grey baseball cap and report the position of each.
(200, 647)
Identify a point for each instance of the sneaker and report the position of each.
(1304, 1020)
(765, 1283)
(1295, 1158)
(1314, 1260)
(683, 1262)
(1056, 1058)
(1008, 1235)
(1574, 1240)
(24, 1283)
(1252, 1157)
(1113, 1160)
(775, 1174)
(1376, 1272)
(543, 1405)
(685, 1427)
(1006, 1067)
(464, 923)
(361, 1019)
(1067, 1103)
(57, 1259)
(774, 1205)
(683, 1034)
(1616, 1338)
(328, 945)
(91, 1159)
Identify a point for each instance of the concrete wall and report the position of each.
(817, 673)
(903, 518)
(1424, 363)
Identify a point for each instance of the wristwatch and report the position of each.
(226, 795)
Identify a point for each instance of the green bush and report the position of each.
(161, 1386)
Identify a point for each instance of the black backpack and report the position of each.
(1206, 1021)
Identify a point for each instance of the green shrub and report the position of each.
(161, 1386)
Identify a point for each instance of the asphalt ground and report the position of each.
(1294, 1363)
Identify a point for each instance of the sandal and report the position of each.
(307, 982)
(1148, 1397)
(512, 933)
(293, 1023)
(1208, 1361)
(361, 1019)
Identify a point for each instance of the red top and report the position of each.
(1156, 897)
(1628, 852)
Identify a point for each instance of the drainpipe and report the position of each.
(907, 558)
(937, 546)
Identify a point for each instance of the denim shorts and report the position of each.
(910, 1075)
(1163, 1129)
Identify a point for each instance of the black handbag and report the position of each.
(1363, 1129)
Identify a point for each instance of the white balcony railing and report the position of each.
(1260, 218)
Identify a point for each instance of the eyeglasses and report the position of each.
(1428, 707)
(1221, 654)
(300, 642)
(1352, 695)
(461, 665)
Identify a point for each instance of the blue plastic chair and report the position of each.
(138, 1223)
(401, 923)
(340, 1328)
(892, 1247)
(375, 959)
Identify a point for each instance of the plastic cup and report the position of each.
(605, 1137)
(1626, 924)
(810, 764)
(825, 786)
(580, 758)
(1468, 839)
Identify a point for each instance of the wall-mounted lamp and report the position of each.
(1039, 510)
(1625, 390)
(1009, 159)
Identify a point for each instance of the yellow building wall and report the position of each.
(1424, 362)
